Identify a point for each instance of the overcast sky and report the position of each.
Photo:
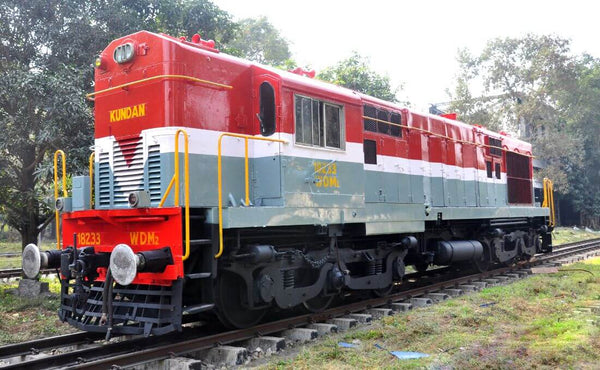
(416, 42)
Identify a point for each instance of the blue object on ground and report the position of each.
(408, 355)
(404, 355)
(487, 304)
(346, 345)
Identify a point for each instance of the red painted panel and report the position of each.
(175, 102)
(142, 229)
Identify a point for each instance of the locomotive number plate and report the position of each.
(84, 239)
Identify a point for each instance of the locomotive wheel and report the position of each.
(318, 303)
(230, 293)
(383, 291)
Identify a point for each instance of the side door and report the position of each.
(266, 182)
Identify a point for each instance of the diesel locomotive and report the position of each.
(218, 186)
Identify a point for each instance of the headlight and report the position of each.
(31, 261)
(138, 199)
(123, 264)
(63, 204)
(124, 53)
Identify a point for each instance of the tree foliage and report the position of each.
(356, 74)
(535, 86)
(46, 49)
(260, 41)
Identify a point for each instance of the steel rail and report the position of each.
(157, 348)
(38, 345)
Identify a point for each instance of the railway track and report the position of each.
(80, 350)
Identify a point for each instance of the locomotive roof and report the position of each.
(330, 91)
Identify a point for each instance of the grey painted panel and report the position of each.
(278, 216)
(484, 199)
(204, 180)
(470, 193)
(382, 212)
(404, 189)
(266, 178)
(315, 200)
(394, 227)
(382, 217)
(501, 193)
(320, 183)
(426, 180)
(455, 190)
(417, 189)
(491, 188)
(455, 213)
(390, 187)
(236, 217)
(437, 191)
(372, 180)
(450, 193)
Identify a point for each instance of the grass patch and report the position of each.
(562, 235)
(10, 247)
(15, 247)
(540, 322)
(10, 262)
(25, 319)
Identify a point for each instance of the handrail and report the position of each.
(92, 180)
(182, 77)
(175, 180)
(64, 189)
(246, 176)
(549, 200)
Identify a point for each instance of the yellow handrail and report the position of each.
(246, 176)
(175, 180)
(549, 200)
(64, 188)
(181, 77)
(92, 180)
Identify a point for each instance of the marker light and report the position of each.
(99, 63)
(123, 264)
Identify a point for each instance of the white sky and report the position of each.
(416, 42)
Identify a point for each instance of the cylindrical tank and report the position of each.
(448, 252)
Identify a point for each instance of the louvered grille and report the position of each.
(154, 173)
(128, 169)
(104, 180)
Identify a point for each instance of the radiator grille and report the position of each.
(154, 173)
(131, 170)
(128, 169)
(103, 180)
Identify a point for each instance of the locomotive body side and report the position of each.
(344, 190)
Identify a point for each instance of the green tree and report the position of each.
(356, 74)
(534, 85)
(260, 41)
(524, 82)
(46, 49)
(582, 116)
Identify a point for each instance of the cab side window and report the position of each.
(319, 123)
